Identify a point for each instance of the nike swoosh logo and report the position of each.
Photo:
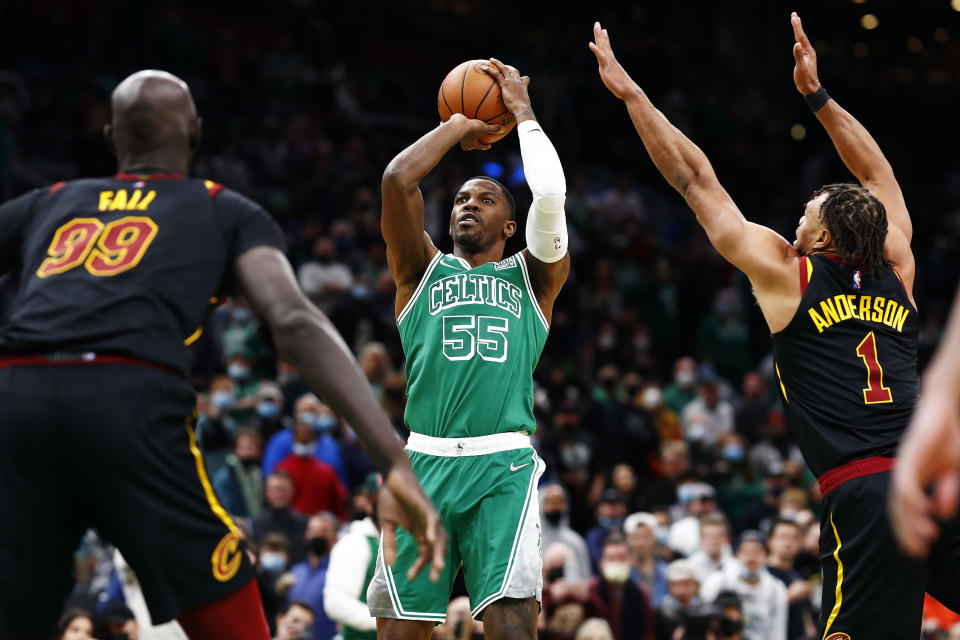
(513, 468)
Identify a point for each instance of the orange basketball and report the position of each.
(470, 91)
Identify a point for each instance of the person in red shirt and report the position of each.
(316, 484)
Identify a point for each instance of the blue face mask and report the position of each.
(238, 371)
(221, 399)
(610, 523)
(268, 409)
(273, 560)
(308, 418)
(325, 422)
(304, 450)
(241, 315)
(733, 453)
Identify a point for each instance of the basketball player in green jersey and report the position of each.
(472, 325)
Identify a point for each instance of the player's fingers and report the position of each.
(596, 51)
(492, 129)
(798, 52)
(801, 34)
(422, 559)
(525, 80)
(945, 492)
(492, 71)
(389, 531)
(502, 68)
(795, 24)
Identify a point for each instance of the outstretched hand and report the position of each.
(403, 503)
(805, 70)
(614, 76)
(929, 454)
(513, 88)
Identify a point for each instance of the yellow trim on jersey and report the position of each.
(838, 596)
(193, 337)
(776, 368)
(215, 505)
(809, 269)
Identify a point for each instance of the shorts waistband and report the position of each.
(476, 446)
(863, 467)
(60, 358)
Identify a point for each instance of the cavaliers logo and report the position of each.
(226, 558)
(837, 636)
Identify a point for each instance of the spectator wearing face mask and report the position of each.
(308, 412)
(648, 571)
(555, 527)
(215, 422)
(273, 560)
(279, 516)
(610, 514)
(664, 418)
(697, 499)
(239, 482)
(269, 409)
(310, 576)
(618, 600)
(316, 486)
(764, 597)
(683, 390)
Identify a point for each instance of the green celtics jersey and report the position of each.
(472, 338)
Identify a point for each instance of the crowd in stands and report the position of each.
(674, 496)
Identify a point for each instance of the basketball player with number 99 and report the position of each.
(839, 304)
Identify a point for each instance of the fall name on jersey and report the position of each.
(852, 306)
(474, 288)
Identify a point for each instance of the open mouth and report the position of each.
(468, 219)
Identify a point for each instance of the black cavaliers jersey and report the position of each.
(125, 265)
(847, 363)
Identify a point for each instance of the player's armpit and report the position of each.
(761, 253)
(547, 278)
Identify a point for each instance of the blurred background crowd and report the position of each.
(675, 503)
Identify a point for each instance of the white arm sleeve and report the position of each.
(349, 559)
(546, 221)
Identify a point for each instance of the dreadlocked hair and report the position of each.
(858, 223)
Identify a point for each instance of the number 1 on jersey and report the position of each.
(875, 392)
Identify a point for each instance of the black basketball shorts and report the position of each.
(108, 446)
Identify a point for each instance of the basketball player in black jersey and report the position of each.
(115, 278)
(839, 304)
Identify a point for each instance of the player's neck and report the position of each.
(475, 259)
(158, 162)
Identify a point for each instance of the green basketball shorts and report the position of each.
(485, 489)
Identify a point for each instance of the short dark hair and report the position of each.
(784, 521)
(614, 537)
(857, 220)
(297, 603)
(69, 616)
(506, 193)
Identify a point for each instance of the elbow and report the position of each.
(551, 201)
(395, 177)
(293, 327)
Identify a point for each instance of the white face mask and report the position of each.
(685, 378)
(616, 572)
(652, 398)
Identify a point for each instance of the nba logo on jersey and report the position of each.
(856, 279)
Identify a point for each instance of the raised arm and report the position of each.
(546, 228)
(859, 151)
(306, 338)
(767, 259)
(409, 248)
